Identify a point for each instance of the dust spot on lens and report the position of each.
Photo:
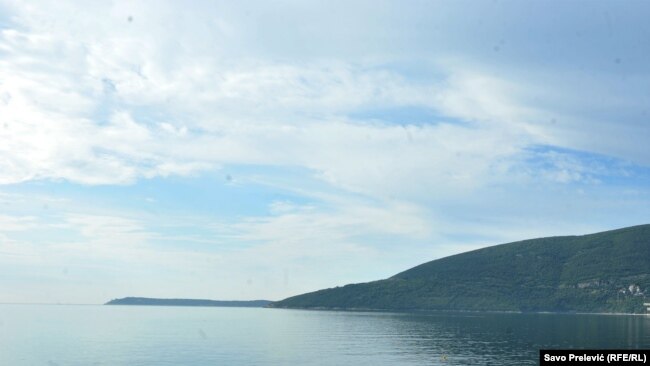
(202, 334)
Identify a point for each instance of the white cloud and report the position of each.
(310, 225)
(116, 92)
(112, 101)
(89, 129)
(11, 223)
(12, 252)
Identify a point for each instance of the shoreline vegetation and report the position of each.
(468, 312)
(601, 273)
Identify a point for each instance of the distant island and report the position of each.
(607, 272)
(187, 302)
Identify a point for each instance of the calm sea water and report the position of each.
(127, 335)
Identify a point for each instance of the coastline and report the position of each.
(456, 311)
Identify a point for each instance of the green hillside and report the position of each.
(147, 301)
(603, 272)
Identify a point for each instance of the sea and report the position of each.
(86, 335)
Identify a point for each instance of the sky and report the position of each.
(259, 150)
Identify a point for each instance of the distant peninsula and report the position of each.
(187, 302)
(607, 272)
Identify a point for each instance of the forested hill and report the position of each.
(186, 302)
(602, 272)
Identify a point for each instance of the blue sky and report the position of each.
(245, 150)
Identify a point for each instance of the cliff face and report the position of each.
(602, 272)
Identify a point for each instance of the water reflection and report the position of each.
(487, 338)
(87, 335)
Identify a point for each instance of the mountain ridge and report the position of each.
(147, 301)
(602, 272)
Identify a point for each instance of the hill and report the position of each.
(186, 302)
(602, 272)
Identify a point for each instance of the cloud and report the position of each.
(111, 102)
(435, 127)
(11, 223)
(309, 225)
(86, 124)
(268, 126)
